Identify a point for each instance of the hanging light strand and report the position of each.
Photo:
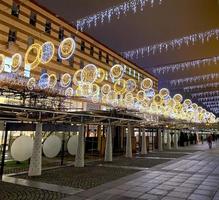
(171, 44)
(205, 94)
(118, 10)
(205, 99)
(186, 65)
(202, 86)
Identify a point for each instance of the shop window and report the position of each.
(61, 33)
(15, 10)
(48, 27)
(33, 18)
(82, 46)
(12, 36)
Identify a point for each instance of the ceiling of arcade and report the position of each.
(172, 19)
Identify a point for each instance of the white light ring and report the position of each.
(100, 75)
(140, 95)
(17, 66)
(49, 55)
(83, 73)
(31, 84)
(72, 49)
(105, 89)
(118, 88)
(131, 85)
(63, 82)
(42, 83)
(76, 77)
(2, 65)
(52, 80)
(95, 99)
(69, 92)
(113, 77)
(150, 85)
(95, 89)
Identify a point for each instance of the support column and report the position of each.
(175, 139)
(35, 168)
(99, 137)
(143, 143)
(128, 153)
(79, 158)
(168, 139)
(108, 149)
(160, 145)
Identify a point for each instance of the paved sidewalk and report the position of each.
(192, 177)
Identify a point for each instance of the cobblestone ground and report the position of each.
(9, 191)
(84, 178)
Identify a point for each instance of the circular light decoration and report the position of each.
(66, 48)
(187, 102)
(100, 75)
(72, 145)
(178, 106)
(140, 95)
(65, 80)
(48, 50)
(86, 89)
(116, 72)
(194, 106)
(21, 148)
(16, 62)
(52, 146)
(111, 97)
(52, 80)
(95, 98)
(31, 84)
(129, 98)
(44, 81)
(77, 77)
(95, 89)
(105, 89)
(150, 93)
(157, 99)
(130, 85)
(2, 63)
(120, 86)
(89, 74)
(164, 92)
(36, 51)
(178, 98)
(147, 83)
(69, 92)
(171, 103)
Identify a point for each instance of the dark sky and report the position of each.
(173, 19)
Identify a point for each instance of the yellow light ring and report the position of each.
(65, 80)
(100, 75)
(105, 89)
(95, 89)
(164, 92)
(95, 99)
(34, 47)
(157, 99)
(89, 74)
(120, 86)
(129, 98)
(77, 77)
(178, 98)
(2, 63)
(66, 48)
(140, 95)
(131, 85)
(86, 89)
(116, 72)
(147, 83)
(69, 92)
(52, 80)
(31, 84)
(187, 102)
(48, 50)
(78, 91)
(16, 62)
(104, 99)
(111, 97)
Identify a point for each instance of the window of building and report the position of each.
(15, 10)
(130, 71)
(61, 33)
(30, 41)
(92, 51)
(107, 58)
(81, 64)
(48, 27)
(33, 18)
(82, 46)
(12, 36)
(134, 73)
(71, 61)
(100, 54)
(59, 60)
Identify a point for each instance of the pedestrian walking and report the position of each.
(209, 140)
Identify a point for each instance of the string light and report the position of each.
(202, 86)
(204, 94)
(66, 48)
(171, 44)
(48, 50)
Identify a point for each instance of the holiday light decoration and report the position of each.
(116, 72)
(77, 77)
(185, 65)
(171, 44)
(89, 74)
(205, 94)
(178, 98)
(69, 92)
(118, 10)
(44, 81)
(48, 50)
(203, 99)
(105, 89)
(52, 80)
(101, 73)
(164, 93)
(211, 76)
(140, 95)
(146, 84)
(66, 48)
(210, 102)
(31, 84)
(16, 62)
(120, 86)
(65, 80)
(131, 85)
(202, 86)
(2, 63)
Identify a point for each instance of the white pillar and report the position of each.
(108, 149)
(143, 143)
(160, 145)
(168, 139)
(35, 167)
(175, 139)
(79, 158)
(128, 153)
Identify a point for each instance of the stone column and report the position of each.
(128, 153)
(168, 139)
(160, 145)
(175, 139)
(108, 149)
(35, 167)
(79, 158)
(99, 137)
(143, 143)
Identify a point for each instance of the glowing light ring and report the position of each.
(178, 98)
(150, 93)
(100, 75)
(95, 89)
(89, 74)
(129, 98)
(48, 50)
(65, 80)
(77, 77)
(66, 48)
(44, 81)
(2, 63)
(105, 89)
(69, 92)
(86, 89)
(95, 99)
(111, 97)
(52, 80)
(116, 72)
(131, 85)
(31, 84)
(147, 83)
(140, 95)
(157, 99)
(36, 62)
(16, 62)
(120, 86)
(164, 92)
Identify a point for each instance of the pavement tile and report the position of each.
(198, 197)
